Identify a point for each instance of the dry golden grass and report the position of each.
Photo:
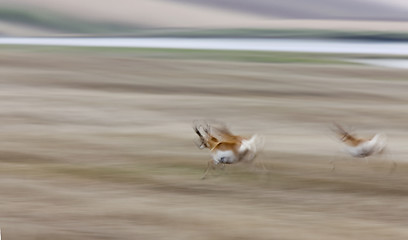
(100, 146)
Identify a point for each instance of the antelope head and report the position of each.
(339, 130)
(206, 140)
(345, 136)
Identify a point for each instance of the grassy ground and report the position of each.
(97, 144)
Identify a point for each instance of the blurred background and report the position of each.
(97, 139)
(126, 17)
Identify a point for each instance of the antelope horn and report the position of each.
(195, 127)
(339, 128)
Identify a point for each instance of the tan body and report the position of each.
(353, 141)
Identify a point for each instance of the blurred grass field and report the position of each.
(97, 143)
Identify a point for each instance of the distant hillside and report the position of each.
(183, 17)
(46, 21)
(314, 9)
(144, 13)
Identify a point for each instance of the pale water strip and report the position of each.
(250, 44)
(241, 44)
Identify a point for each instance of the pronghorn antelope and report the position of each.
(362, 147)
(225, 147)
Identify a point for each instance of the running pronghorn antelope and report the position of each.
(225, 147)
(362, 147)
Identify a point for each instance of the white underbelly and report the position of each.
(374, 146)
(358, 151)
(226, 157)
